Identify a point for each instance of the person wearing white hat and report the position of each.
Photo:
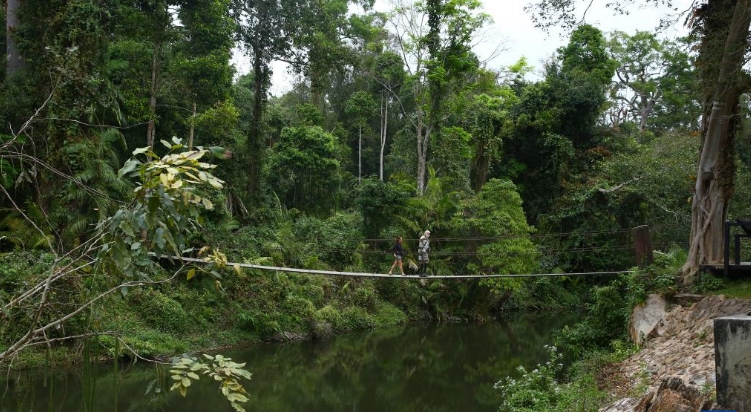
(423, 248)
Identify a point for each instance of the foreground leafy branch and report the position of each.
(170, 194)
(219, 368)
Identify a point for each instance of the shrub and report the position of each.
(328, 314)
(355, 318)
(389, 315)
(709, 283)
(534, 390)
(541, 390)
(160, 311)
(606, 319)
(295, 312)
(609, 307)
(365, 296)
(261, 322)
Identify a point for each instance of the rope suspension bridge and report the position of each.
(387, 276)
(640, 242)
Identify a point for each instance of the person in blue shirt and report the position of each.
(398, 251)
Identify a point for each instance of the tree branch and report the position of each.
(619, 186)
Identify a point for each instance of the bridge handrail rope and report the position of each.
(510, 253)
(532, 236)
(384, 275)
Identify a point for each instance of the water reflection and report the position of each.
(415, 368)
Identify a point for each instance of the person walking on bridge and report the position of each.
(423, 248)
(398, 251)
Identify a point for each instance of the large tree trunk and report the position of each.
(423, 136)
(714, 178)
(384, 132)
(479, 168)
(261, 75)
(192, 127)
(14, 61)
(153, 90)
(647, 106)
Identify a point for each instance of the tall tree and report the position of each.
(360, 107)
(389, 77)
(436, 53)
(326, 43)
(554, 121)
(14, 60)
(71, 60)
(723, 29)
(485, 123)
(203, 59)
(652, 75)
(265, 30)
(157, 13)
(303, 169)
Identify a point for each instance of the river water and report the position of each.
(418, 367)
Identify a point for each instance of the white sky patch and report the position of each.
(514, 33)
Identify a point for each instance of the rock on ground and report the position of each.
(676, 365)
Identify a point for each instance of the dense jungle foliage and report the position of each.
(393, 125)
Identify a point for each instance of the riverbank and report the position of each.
(176, 315)
(424, 366)
(680, 345)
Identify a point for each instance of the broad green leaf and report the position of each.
(164, 179)
(126, 228)
(128, 167)
(237, 397)
(159, 238)
(216, 183)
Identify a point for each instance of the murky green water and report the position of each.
(450, 367)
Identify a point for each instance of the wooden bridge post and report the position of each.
(643, 246)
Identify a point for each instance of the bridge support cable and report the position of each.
(387, 276)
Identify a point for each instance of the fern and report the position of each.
(95, 188)
(14, 228)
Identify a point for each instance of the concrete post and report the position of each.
(732, 350)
